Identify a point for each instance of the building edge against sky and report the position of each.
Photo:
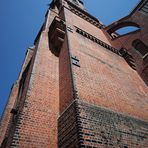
(79, 85)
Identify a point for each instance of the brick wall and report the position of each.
(68, 128)
(35, 124)
(112, 106)
(125, 41)
(65, 78)
(39, 115)
(7, 116)
(104, 78)
(86, 125)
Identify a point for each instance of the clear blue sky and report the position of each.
(20, 21)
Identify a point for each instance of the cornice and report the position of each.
(84, 15)
(120, 52)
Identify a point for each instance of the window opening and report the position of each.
(140, 47)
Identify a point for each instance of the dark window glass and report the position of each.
(140, 47)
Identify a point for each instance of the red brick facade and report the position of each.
(137, 18)
(78, 86)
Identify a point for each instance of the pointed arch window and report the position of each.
(140, 47)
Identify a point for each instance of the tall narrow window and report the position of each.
(140, 47)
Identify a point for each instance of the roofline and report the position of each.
(139, 4)
(136, 7)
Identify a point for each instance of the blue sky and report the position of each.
(20, 23)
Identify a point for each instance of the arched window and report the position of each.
(140, 47)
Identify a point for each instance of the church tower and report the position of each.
(78, 86)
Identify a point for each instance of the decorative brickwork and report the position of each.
(85, 15)
(98, 41)
(68, 128)
(91, 126)
(122, 52)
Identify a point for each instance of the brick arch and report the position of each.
(122, 25)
